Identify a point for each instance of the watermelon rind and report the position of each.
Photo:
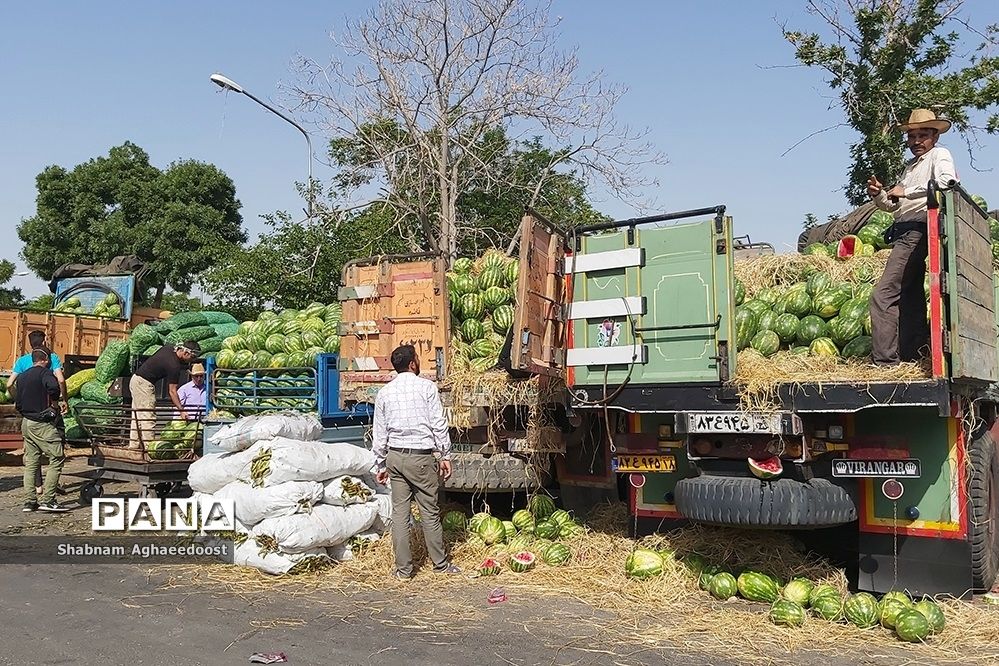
(489, 567)
(762, 472)
(643, 564)
(522, 562)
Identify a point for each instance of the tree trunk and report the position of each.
(158, 296)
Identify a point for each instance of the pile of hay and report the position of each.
(465, 389)
(668, 612)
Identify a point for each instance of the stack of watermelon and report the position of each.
(819, 316)
(537, 532)
(482, 298)
(289, 339)
(865, 243)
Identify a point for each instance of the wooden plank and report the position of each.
(538, 326)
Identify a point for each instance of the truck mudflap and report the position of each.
(749, 502)
(498, 472)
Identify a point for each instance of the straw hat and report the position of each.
(197, 369)
(920, 118)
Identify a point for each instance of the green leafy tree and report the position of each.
(42, 303)
(10, 297)
(811, 221)
(884, 58)
(176, 302)
(175, 220)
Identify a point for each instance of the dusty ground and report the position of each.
(116, 614)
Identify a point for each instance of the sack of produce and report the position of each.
(213, 317)
(112, 361)
(247, 431)
(225, 330)
(210, 345)
(97, 392)
(346, 490)
(249, 554)
(76, 381)
(256, 504)
(182, 320)
(327, 525)
(214, 471)
(280, 460)
(142, 337)
(195, 333)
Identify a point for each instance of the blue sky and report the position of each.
(78, 78)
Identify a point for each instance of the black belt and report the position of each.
(420, 451)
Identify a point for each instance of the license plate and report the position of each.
(644, 464)
(737, 422)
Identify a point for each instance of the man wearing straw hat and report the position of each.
(898, 306)
(192, 394)
(412, 450)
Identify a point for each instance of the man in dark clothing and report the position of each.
(36, 391)
(169, 363)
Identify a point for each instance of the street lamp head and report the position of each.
(226, 83)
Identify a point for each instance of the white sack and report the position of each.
(249, 430)
(341, 552)
(327, 525)
(214, 471)
(256, 504)
(248, 555)
(383, 505)
(371, 482)
(346, 490)
(294, 460)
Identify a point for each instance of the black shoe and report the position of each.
(449, 569)
(52, 507)
(29, 507)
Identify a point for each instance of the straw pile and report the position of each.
(668, 612)
(758, 379)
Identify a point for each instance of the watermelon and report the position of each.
(313, 324)
(243, 359)
(767, 295)
(293, 344)
(756, 306)
(848, 247)
(502, 319)
(541, 506)
(766, 342)
(817, 283)
(833, 248)
(522, 562)
(262, 359)
(798, 591)
(314, 338)
(472, 329)
(842, 330)
(767, 321)
(493, 276)
(570, 530)
(476, 521)
(484, 364)
(279, 360)
(546, 529)
(454, 521)
(288, 315)
(882, 218)
(899, 596)
(861, 610)
(463, 265)
(333, 313)
(494, 297)
(475, 541)
(491, 530)
(786, 613)
(746, 324)
(723, 586)
(823, 347)
(864, 292)
(738, 291)
(492, 258)
(489, 567)
(512, 272)
(912, 626)
(226, 359)
(934, 616)
(980, 202)
(274, 343)
(798, 351)
(811, 328)
(890, 610)
(235, 342)
(765, 468)
(786, 327)
(818, 249)
(695, 562)
(520, 542)
(471, 306)
(756, 586)
(643, 563)
(705, 577)
(867, 324)
(869, 234)
(524, 520)
(465, 284)
(827, 303)
(859, 347)
(829, 607)
(855, 308)
(862, 272)
(483, 348)
(560, 517)
(509, 530)
(556, 555)
(820, 591)
(797, 302)
(292, 326)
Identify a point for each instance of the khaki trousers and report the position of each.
(415, 476)
(898, 304)
(143, 416)
(41, 439)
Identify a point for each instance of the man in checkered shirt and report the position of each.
(413, 451)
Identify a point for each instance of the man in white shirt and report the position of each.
(898, 305)
(410, 434)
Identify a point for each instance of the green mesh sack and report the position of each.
(226, 330)
(73, 430)
(112, 361)
(76, 381)
(182, 320)
(97, 392)
(219, 317)
(195, 333)
(142, 336)
(213, 344)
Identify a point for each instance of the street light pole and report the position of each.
(228, 84)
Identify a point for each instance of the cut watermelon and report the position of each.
(849, 246)
(489, 567)
(765, 468)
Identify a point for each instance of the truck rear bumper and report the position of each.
(498, 472)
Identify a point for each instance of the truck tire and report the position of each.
(496, 473)
(983, 511)
(749, 502)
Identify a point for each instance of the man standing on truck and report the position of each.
(34, 396)
(409, 429)
(192, 394)
(36, 340)
(898, 306)
(167, 363)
